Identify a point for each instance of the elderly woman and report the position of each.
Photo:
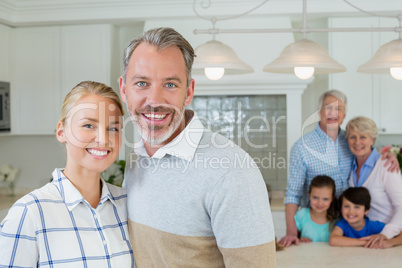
(385, 187)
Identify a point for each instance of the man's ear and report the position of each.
(60, 134)
(190, 93)
(122, 86)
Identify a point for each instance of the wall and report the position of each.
(35, 157)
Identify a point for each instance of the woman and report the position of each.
(77, 220)
(385, 187)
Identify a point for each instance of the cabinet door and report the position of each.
(352, 50)
(5, 49)
(375, 96)
(85, 55)
(389, 90)
(37, 80)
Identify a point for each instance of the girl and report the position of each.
(315, 223)
(77, 220)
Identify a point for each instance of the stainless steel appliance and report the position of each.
(5, 123)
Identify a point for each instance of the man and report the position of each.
(324, 151)
(195, 199)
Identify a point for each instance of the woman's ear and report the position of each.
(60, 134)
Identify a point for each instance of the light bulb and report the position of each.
(396, 72)
(304, 72)
(214, 73)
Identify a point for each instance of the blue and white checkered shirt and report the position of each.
(54, 226)
(317, 154)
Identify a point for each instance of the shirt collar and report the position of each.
(71, 196)
(321, 133)
(184, 145)
(370, 161)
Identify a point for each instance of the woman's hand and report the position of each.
(374, 241)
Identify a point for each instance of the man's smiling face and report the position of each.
(332, 113)
(156, 92)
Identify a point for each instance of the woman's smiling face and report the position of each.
(92, 133)
(360, 144)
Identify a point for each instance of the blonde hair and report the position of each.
(362, 124)
(86, 88)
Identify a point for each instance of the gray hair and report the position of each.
(362, 125)
(334, 93)
(161, 38)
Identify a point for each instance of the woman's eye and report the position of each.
(114, 129)
(88, 126)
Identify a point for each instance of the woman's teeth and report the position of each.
(97, 152)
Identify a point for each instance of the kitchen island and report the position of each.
(322, 255)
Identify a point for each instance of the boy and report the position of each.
(355, 204)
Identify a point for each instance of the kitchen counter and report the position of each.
(7, 201)
(323, 255)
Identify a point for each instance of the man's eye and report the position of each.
(171, 85)
(114, 129)
(141, 84)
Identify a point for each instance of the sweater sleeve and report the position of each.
(393, 187)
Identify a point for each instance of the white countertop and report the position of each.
(320, 255)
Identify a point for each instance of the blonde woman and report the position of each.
(385, 187)
(77, 220)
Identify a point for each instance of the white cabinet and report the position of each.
(85, 55)
(49, 62)
(36, 80)
(5, 49)
(374, 96)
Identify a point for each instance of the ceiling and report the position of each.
(45, 12)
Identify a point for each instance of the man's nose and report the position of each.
(155, 95)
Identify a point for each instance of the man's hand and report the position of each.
(288, 240)
(305, 240)
(392, 161)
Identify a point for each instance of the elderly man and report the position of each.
(324, 151)
(195, 199)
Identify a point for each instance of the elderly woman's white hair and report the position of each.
(362, 124)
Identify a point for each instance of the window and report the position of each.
(255, 123)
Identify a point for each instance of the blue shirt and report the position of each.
(370, 228)
(366, 169)
(317, 154)
(54, 226)
(309, 229)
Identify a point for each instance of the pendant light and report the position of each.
(304, 58)
(214, 59)
(387, 59)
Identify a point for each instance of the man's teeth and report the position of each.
(155, 116)
(97, 153)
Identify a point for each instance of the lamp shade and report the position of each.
(387, 56)
(215, 54)
(304, 53)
